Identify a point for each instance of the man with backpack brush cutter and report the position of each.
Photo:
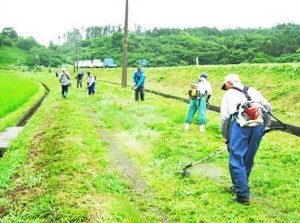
(199, 96)
(244, 115)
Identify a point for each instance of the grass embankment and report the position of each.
(62, 167)
(17, 95)
(279, 83)
(11, 57)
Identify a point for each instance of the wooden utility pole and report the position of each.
(49, 70)
(76, 56)
(125, 48)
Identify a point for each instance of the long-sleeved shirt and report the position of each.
(230, 101)
(234, 97)
(138, 78)
(90, 80)
(64, 78)
(204, 87)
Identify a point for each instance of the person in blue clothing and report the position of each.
(138, 79)
(242, 141)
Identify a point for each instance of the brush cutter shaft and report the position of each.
(131, 96)
(206, 158)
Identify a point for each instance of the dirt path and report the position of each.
(121, 163)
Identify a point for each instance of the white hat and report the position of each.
(233, 78)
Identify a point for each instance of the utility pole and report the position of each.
(125, 48)
(49, 70)
(76, 56)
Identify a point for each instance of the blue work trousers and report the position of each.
(91, 89)
(243, 144)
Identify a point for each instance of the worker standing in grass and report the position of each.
(199, 96)
(79, 78)
(138, 79)
(91, 84)
(64, 79)
(242, 131)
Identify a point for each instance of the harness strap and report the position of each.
(244, 91)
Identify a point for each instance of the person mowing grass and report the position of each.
(64, 79)
(79, 78)
(91, 84)
(243, 119)
(199, 95)
(138, 79)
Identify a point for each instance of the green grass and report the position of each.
(16, 92)
(17, 95)
(11, 57)
(60, 166)
(279, 83)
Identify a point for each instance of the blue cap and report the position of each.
(204, 74)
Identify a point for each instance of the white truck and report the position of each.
(97, 63)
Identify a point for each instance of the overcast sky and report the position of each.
(45, 20)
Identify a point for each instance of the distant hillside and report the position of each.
(181, 47)
(11, 56)
(160, 47)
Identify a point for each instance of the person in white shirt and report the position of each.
(198, 102)
(242, 141)
(64, 79)
(91, 84)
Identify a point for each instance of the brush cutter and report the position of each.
(87, 94)
(186, 173)
(130, 100)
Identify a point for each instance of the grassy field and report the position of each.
(17, 94)
(109, 159)
(11, 56)
(279, 83)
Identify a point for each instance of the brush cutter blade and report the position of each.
(185, 173)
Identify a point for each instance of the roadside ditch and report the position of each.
(11, 132)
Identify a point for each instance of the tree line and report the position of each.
(164, 46)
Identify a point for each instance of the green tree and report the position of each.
(10, 32)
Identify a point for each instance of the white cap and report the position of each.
(233, 78)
